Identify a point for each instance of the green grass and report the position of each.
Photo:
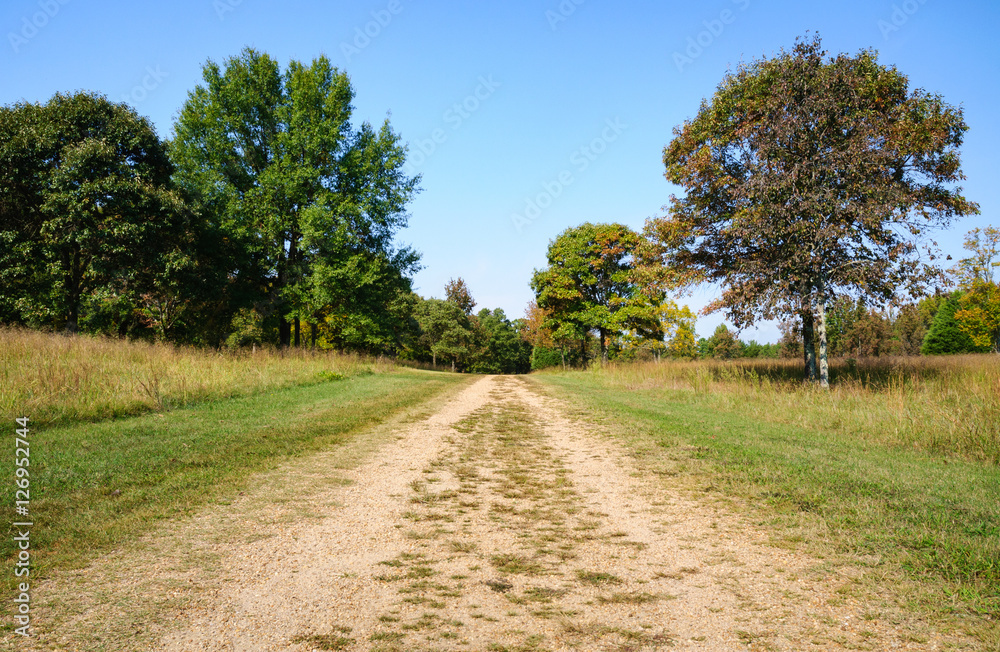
(916, 514)
(95, 486)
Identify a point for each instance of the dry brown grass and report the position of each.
(948, 404)
(56, 378)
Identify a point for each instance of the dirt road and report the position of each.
(495, 524)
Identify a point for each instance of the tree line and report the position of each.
(810, 186)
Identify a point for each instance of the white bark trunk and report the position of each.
(824, 367)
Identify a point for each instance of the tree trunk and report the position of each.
(604, 347)
(297, 329)
(284, 333)
(562, 353)
(824, 369)
(809, 341)
(434, 360)
(284, 328)
(453, 365)
(73, 318)
(313, 328)
(73, 294)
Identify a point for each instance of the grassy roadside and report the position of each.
(95, 486)
(925, 524)
(56, 379)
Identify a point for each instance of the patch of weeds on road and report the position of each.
(597, 578)
(631, 598)
(332, 641)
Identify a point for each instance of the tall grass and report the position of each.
(59, 379)
(948, 404)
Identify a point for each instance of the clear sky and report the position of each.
(565, 106)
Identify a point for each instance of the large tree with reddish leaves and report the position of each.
(807, 177)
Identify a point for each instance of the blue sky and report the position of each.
(524, 118)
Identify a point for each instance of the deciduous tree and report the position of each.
(808, 177)
(458, 293)
(978, 315)
(589, 285)
(310, 203)
(85, 206)
(445, 330)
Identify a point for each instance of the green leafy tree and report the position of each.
(944, 336)
(806, 178)
(589, 285)
(310, 204)
(445, 330)
(723, 345)
(85, 207)
(499, 347)
(978, 315)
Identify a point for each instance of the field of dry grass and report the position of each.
(946, 404)
(58, 379)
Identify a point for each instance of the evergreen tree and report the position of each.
(944, 336)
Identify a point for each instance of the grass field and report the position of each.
(895, 468)
(57, 379)
(946, 404)
(97, 484)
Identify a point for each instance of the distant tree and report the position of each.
(458, 293)
(978, 315)
(536, 331)
(499, 347)
(589, 286)
(944, 336)
(683, 344)
(86, 210)
(870, 335)
(908, 330)
(445, 330)
(723, 345)
(981, 266)
(807, 178)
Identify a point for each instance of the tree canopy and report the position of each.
(590, 285)
(311, 204)
(807, 177)
(86, 211)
